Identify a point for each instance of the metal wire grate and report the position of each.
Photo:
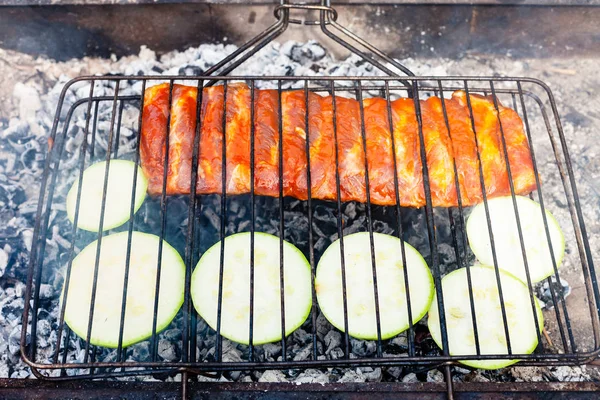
(95, 122)
(532, 100)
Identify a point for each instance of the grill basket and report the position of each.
(192, 223)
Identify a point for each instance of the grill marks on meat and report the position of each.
(447, 141)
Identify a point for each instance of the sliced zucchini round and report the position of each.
(506, 237)
(488, 312)
(118, 195)
(235, 303)
(393, 309)
(141, 288)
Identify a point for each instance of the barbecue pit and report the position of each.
(120, 95)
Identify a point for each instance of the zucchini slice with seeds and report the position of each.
(488, 312)
(393, 310)
(118, 195)
(506, 237)
(235, 303)
(141, 287)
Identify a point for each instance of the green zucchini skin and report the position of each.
(235, 303)
(360, 298)
(490, 325)
(118, 195)
(506, 237)
(139, 312)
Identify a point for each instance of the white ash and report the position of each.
(410, 378)
(544, 294)
(26, 119)
(435, 376)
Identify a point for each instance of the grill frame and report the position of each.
(419, 85)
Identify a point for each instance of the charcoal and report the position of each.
(363, 348)
(394, 372)
(167, 350)
(294, 203)
(46, 338)
(570, 374)
(74, 139)
(214, 219)
(461, 370)
(410, 378)
(4, 196)
(17, 137)
(336, 353)
(60, 241)
(234, 207)
(382, 227)
(272, 376)
(301, 336)
(271, 350)
(561, 290)
(304, 353)
(353, 376)
(4, 370)
(325, 214)
(191, 70)
(9, 294)
(12, 310)
(321, 244)
(358, 225)
(372, 374)
(172, 334)
(241, 214)
(398, 344)
(3, 261)
(141, 351)
(22, 374)
(46, 291)
(244, 225)
(230, 352)
(201, 327)
(14, 340)
(435, 376)
(312, 376)
(231, 229)
(318, 231)
(234, 376)
(43, 328)
(332, 340)
(477, 376)
(109, 357)
(323, 326)
(203, 354)
(304, 53)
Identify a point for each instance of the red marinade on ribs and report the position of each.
(448, 141)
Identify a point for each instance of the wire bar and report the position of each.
(530, 98)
